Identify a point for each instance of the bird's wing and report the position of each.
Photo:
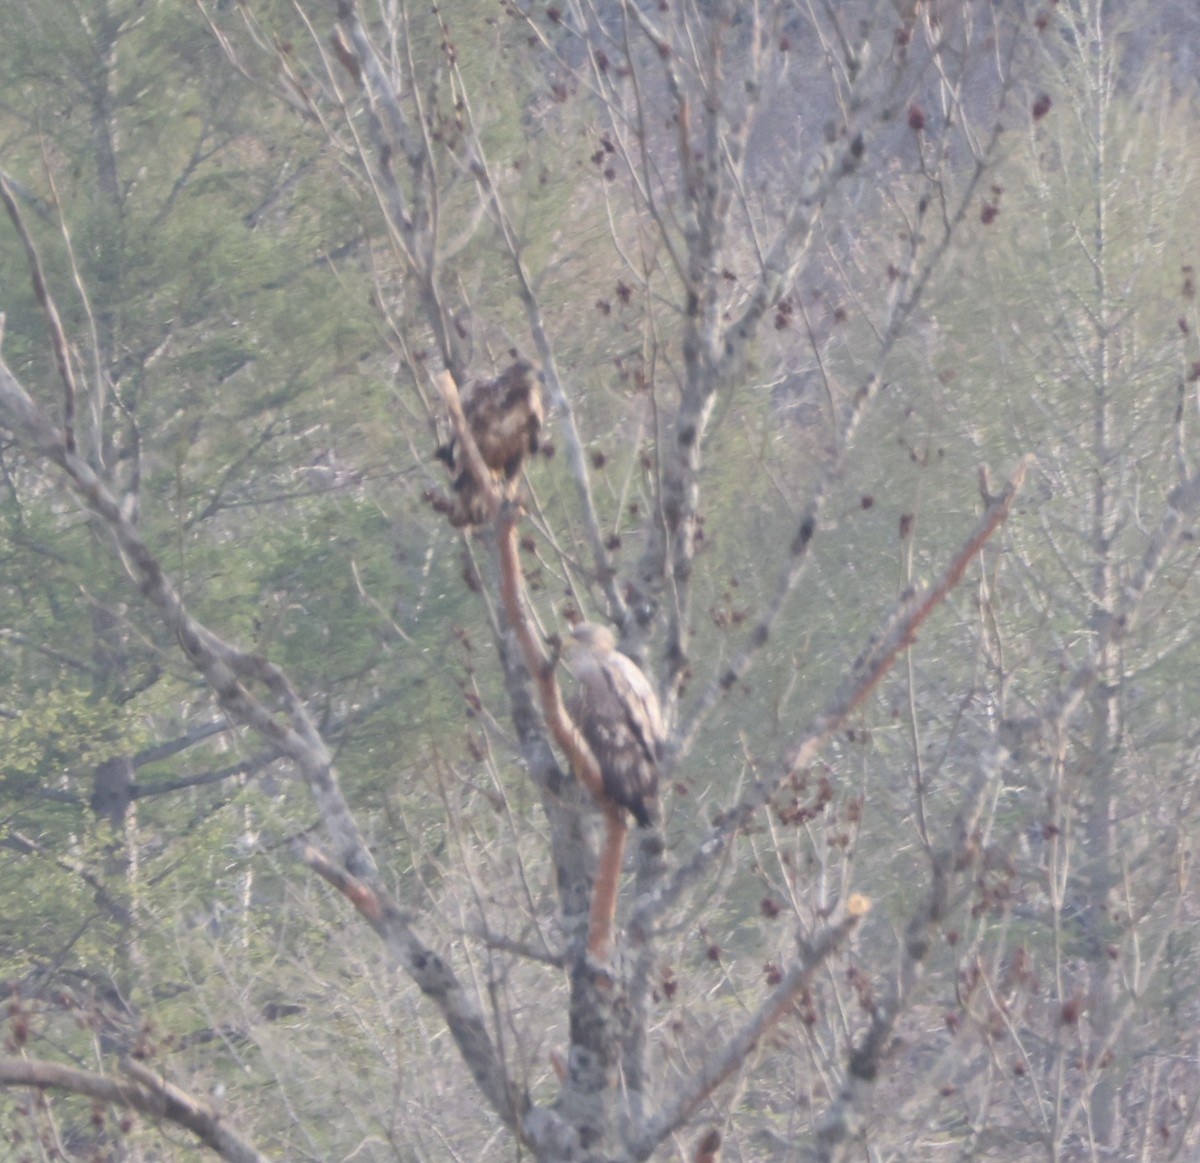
(639, 704)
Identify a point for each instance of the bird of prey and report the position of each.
(618, 713)
(505, 416)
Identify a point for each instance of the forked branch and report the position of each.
(875, 660)
(141, 1090)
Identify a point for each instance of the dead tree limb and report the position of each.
(141, 1090)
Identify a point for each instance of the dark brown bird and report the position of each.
(505, 416)
(618, 713)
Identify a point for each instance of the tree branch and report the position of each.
(720, 1064)
(58, 338)
(876, 659)
(229, 672)
(143, 1091)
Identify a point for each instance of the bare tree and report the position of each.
(769, 243)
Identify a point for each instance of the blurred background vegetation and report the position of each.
(253, 350)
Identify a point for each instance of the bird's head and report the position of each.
(588, 645)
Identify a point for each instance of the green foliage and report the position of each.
(60, 731)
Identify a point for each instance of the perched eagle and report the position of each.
(505, 415)
(617, 711)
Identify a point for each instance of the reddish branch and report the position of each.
(873, 663)
(898, 632)
(568, 738)
(488, 491)
(360, 895)
(562, 727)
